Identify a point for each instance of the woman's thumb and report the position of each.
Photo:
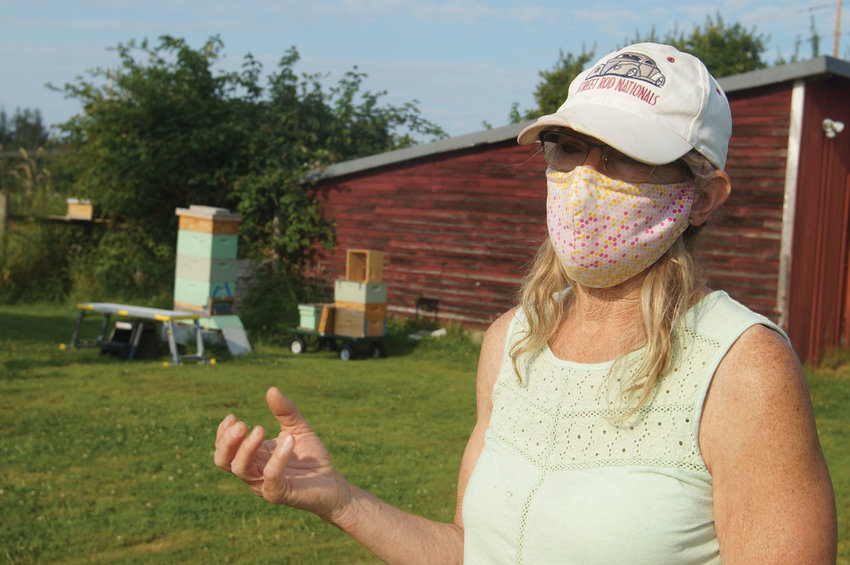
(283, 408)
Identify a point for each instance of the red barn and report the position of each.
(460, 219)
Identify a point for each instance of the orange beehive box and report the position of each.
(79, 209)
(208, 219)
(374, 311)
(363, 265)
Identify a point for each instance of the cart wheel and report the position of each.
(377, 350)
(346, 351)
(297, 345)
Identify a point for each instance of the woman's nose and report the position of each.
(594, 160)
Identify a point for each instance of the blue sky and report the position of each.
(465, 61)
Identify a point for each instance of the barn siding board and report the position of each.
(742, 246)
(818, 281)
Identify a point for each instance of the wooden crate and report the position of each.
(363, 265)
(354, 323)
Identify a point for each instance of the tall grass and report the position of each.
(104, 461)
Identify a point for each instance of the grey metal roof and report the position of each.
(810, 68)
(485, 137)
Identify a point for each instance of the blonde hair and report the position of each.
(668, 290)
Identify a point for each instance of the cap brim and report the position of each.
(636, 136)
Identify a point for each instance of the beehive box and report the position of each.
(189, 291)
(360, 292)
(208, 219)
(373, 310)
(327, 318)
(205, 268)
(200, 244)
(355, 323)
(79, 209)
(309, 315)
(363, 265)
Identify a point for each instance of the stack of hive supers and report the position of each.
(360, 301)
(205, 274)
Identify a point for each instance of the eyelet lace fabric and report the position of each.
(572, 416)
(566, 475)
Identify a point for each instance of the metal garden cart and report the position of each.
(346, 346)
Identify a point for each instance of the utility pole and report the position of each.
(837, 28)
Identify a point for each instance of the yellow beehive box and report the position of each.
(79, 209)
(326, 319)
(208, 219)
(363, 265)
(374, 311)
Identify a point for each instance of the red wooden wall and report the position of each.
(458, 228)
(743, 242)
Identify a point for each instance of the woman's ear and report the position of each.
(712, 193)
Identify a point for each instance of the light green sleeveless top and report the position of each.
(562, 479)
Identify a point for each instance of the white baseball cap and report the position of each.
(649, 101)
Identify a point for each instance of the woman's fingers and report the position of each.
(275, 483)
(228, 421)
(227, 441)
(244, 464)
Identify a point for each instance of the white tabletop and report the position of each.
(138, 311)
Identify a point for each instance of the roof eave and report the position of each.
(809, 68)
(486, 137)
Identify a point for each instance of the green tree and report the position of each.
(725, 49)
(25, 128)
(163, 130)
(552, 89)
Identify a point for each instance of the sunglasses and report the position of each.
(565, 152)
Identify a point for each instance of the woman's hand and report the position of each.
(293, 469)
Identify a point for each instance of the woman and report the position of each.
(626, 413)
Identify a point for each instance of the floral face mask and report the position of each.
(605, 231)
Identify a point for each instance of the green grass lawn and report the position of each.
(105, 461)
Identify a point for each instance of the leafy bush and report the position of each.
(33, 263)
(271, 303)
